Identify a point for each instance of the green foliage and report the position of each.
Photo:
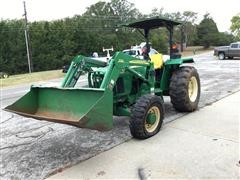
(207, 32)
(235, 27)
(185, 33)
(12, 49)
(189, 27)
(224, 39)
(125, 10)
(55, 43)
(160, 43)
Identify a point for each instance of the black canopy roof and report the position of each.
(152, 23)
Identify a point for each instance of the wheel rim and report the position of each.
(150, 123)
(221, 56)
(193, 89)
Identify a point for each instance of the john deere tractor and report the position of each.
(126, 86)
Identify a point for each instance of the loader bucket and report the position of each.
(87, 107)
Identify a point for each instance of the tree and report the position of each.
(235, 27)
(224, 39)
(13, 58)
(156, 12)
(125, 10)
(207, 32)
(189, 27)
(159, 40)
(186, 32)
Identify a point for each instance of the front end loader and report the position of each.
(126, 86)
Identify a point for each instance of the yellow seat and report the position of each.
(157, 60)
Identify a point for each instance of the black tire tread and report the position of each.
(223, 56)
(178, 89)
(139, 111)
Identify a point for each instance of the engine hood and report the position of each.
(222, 47)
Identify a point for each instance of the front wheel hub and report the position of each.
(152, 119)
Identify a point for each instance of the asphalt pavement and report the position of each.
(32, 149)
(200, 145)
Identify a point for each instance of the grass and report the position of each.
(194, 50)
(30, 78)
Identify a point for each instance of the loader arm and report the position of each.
(79, 65)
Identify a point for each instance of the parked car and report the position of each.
(65, 68)
(228, 51)
(3, 75)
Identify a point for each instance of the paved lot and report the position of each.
(32, 149)
(201, 145)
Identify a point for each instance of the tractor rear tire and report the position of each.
(184, 89)
(141, 125)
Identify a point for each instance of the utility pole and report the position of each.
(29, 54)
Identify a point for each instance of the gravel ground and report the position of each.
(31, 149)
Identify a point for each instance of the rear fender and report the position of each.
(169, 66)
(178, 61)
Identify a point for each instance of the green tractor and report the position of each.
(126, 86)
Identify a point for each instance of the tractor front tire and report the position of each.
(147, 116)
(184, 89)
